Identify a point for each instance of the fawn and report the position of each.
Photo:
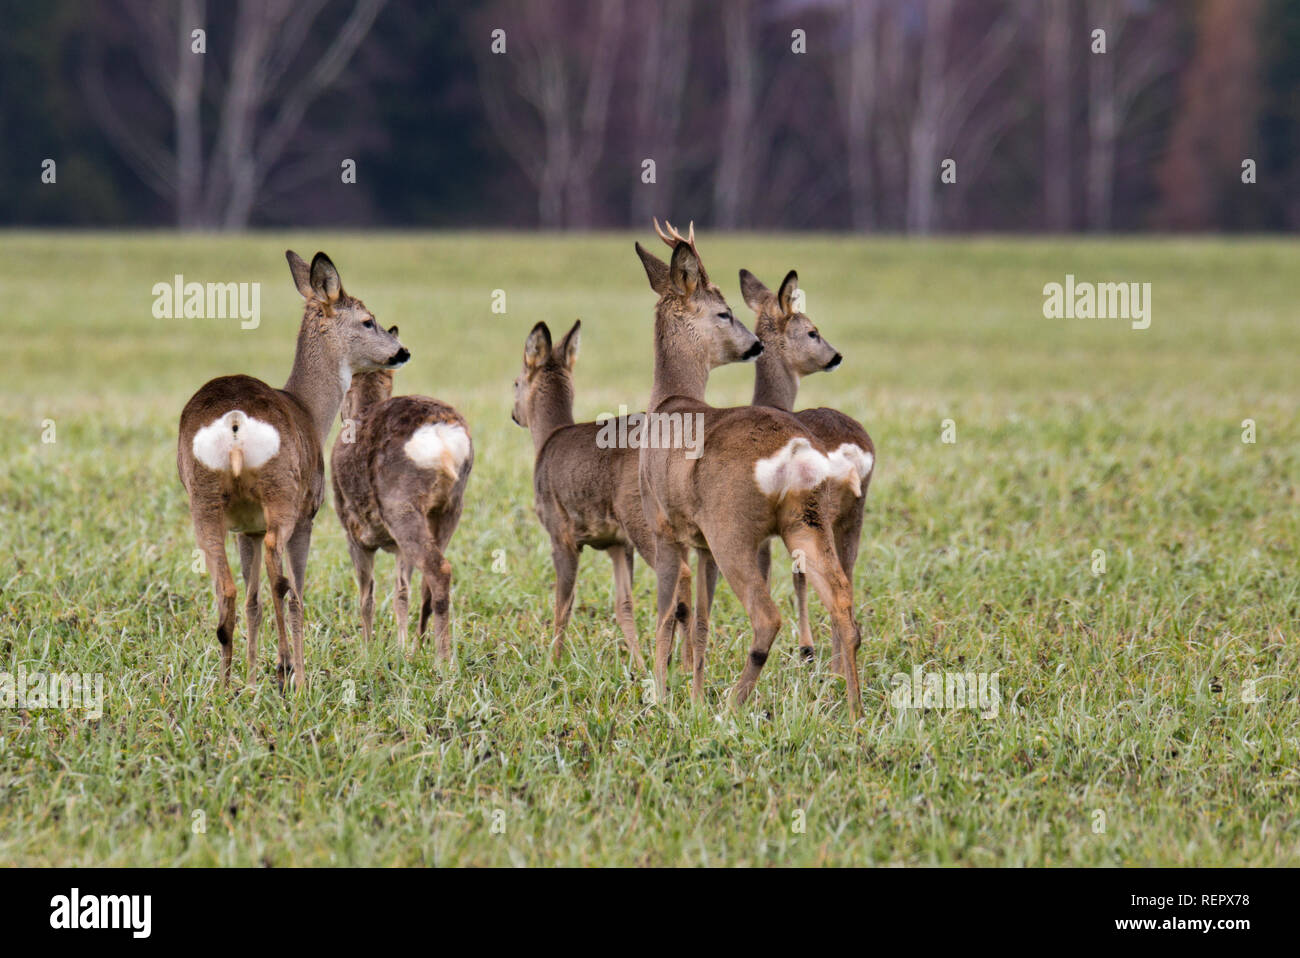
(399, 477)
(250, 459)
(762, 474)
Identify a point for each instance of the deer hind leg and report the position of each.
(274, 544)
(210, 533)
(363, 564)
(707, 571)
(682, 614)
(435, 600)
(623, 558)
(250, 564)
(822, 566)
(299, 546)
(740, 566)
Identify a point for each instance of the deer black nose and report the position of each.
(399, 357)
(835, 361)
(752, 351)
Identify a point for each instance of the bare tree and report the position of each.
(561, 64)
(740, 135)
(258, 117)
(855, 85)
(1057, 56)
(1112, 92)
(661, 83)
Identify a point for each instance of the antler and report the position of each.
(673, 237)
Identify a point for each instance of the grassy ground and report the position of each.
(1149, 714)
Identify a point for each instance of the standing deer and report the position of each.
(762, 474)
(399, 476)
(250, 459)
(585, 494)
(792, 348)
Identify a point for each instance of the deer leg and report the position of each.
(299, 546)
(250, 564)
(273, 543)
(669, 560)
(363, 564)
(822, 565)
(435, 593)
(707, 570)
(210, 533)
(402, 597)
(739, 563)
(565, 558)
(622, 558)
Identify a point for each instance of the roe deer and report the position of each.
(583, 493)
(399, 480)
(792, 348)
(762, 474)
(250, 459)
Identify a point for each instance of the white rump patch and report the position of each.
(255, 441)
(851, 464)
(794, 467)
(439, 445)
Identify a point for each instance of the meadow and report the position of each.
(1149, 710)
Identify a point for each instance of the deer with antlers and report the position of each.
(250, 459)
(762, 474)
(399, 469)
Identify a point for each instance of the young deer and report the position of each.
(584, 495)
(762, 474)
(399, 478)
(250, 459)
(793, 348)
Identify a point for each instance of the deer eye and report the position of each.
(813, 335)
(726, 314)
(369, 324)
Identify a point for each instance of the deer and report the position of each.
(586, 493)
(250, 459)
(399, 470)
(762, 474)
(793, 347)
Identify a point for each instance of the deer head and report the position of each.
(544, 387)
(789, 337)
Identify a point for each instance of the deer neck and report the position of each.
(774, 384)
(367, 390)
(320, 378)
(678, 371)
(549, 409)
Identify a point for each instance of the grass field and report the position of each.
(1149, 715)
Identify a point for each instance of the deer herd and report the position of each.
(251, 458)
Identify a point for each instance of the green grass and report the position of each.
(1122, 693)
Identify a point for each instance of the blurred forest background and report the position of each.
(744, 131)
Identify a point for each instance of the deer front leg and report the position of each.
(622, 558)
(669, 560)
(707, 571)
(299, 546)
(250, 564)
(564, 556)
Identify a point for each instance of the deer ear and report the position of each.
(537, 348)
(567, 351)
(753, 290)
(684, 270)
(300, 272)
(325, 282)
(789, 286)
(656, 270)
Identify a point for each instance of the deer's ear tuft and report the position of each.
(684, 270)
(567, 351)
(537, 348)
(656, 270)
(789, 286)
(752, 290)
(325, 282)
(300, 272)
